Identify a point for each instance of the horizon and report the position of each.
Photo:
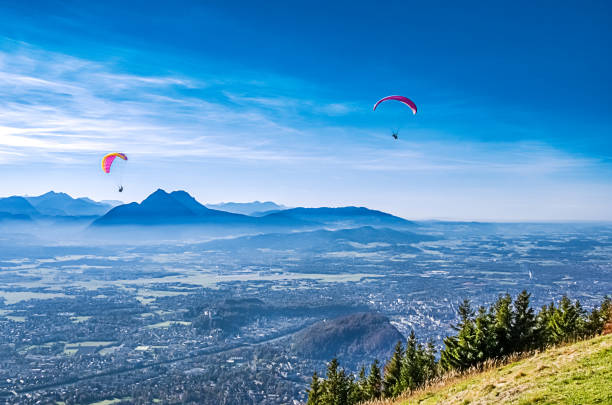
(240, 103)
(437, 219)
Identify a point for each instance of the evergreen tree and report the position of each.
(465, 314)
(565, 321)
(391, 383)
(409, 367)
(594, 323)
(418, 365)
(523, 328)
(358, 388)
(543, 326)
(484, 339)
(502, 324)
(449, 357)
(336, 386)
(374, 385)
(315, 391)
(459, 352)
(429, 365)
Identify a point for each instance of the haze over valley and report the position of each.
(101, 304)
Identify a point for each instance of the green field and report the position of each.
(580, 373)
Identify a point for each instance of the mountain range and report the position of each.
(62, 204)
(323, 240)
(50, 204)
(178, 208)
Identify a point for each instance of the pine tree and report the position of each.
(543, 326)
(459, 352)
(564, 322)
(429, 365)
(315, 391)
(523, 328)
(358, 388)
(465, 314)
(594, 323)
(391, 383)
(502, 314)
(484, 338)
(374, 385)
(449, 357)
(336, 386)
(409, 364)
(418, 365)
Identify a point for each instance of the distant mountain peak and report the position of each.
(161, 207)
(54, 203)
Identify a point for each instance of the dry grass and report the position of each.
(577, 373)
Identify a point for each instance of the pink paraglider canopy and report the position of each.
(401, 99)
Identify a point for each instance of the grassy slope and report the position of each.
(580, 373)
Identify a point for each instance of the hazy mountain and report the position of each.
(342, 216)
(323, 240)
(162, 208)
(6, 217)
(349, 338)
(180, 208)
(249, 208)
(17, 205)
(61, 204)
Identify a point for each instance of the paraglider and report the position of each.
(107, 164)
(401, 99)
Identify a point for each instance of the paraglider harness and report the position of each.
(120, 189)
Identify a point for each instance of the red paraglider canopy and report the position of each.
(401, 99)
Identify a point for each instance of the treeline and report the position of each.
(506, 327)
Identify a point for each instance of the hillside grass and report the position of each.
(579, 373)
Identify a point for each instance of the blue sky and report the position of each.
(237, 102)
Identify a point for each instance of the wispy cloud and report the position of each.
(60, 103)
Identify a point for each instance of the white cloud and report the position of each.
(57, 102)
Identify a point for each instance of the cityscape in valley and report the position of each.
(242, 309)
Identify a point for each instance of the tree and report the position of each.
(336, 386)
(543, 326)
(465, 314)
(596, 320)
(523, 327)
(410, 366)
(484, 341)
(429, 365)
(374, 385)
(460, 351)
(502, 324)
(391, 383)
(565, 321)
(358, 388)
(315, 391)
